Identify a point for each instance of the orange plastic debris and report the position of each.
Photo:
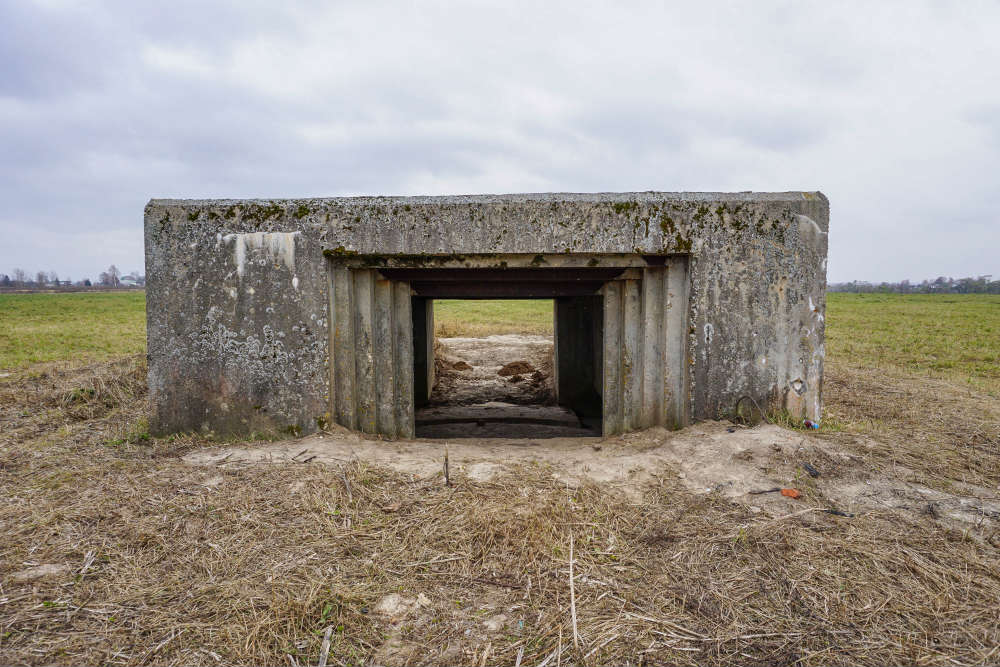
(790, 493)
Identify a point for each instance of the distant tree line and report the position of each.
(941, 285)
(112, 277)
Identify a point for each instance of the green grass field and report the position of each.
(500, 316)
(88, 326)
(954, 336)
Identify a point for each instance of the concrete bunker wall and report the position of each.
(242, 303)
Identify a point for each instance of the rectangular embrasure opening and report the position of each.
(445, 346)
(494, 373)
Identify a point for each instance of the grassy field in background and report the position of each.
(500, 316)
(78, 326)
(955, 336)
(951, 336)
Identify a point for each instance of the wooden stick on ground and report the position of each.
(347, 485)
(447, 476)
(572, 596)
(324, 650)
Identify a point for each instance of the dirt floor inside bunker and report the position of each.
(497, 386)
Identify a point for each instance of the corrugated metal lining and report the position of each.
(644, 374)
(371, 350)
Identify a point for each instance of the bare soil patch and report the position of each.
(510, 368)
(516, 368)
(707, 458)
(500, 386)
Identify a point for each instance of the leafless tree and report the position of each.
(20, 276)
(41, 278)
(54, 277)
(113, 275)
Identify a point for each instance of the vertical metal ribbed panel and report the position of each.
(645, 359)
(371, 348)
(631, 366)
(612, 383)
(402, 358)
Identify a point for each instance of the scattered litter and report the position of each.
(788, 493)
(810, 469)
(839, 513)
(808, 423)
(757, 493)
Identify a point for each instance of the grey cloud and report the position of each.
(102, 108)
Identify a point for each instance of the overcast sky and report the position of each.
(892, 110)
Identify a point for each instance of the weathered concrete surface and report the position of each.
(239, 291)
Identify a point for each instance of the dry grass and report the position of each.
(173, 564)
(168, 563)
(943, 431)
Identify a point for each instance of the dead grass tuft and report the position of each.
(944, 431)
(118, 383)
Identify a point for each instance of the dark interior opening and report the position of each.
(509, 386)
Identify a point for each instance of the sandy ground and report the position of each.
(711, 457)
(492, 409)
